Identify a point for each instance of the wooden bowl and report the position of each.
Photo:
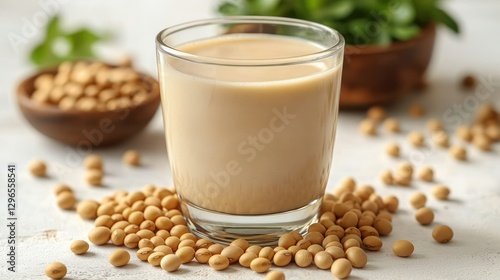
(89, 128)
(381, 75)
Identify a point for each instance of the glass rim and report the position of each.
(170, 50)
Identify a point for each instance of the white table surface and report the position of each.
(45, 232)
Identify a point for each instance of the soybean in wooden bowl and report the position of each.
(89, 123)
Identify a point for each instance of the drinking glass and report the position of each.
(250, 109)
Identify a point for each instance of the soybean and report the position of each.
(119, 258)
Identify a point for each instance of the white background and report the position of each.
(45, 232)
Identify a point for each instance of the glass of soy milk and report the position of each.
(250, 110)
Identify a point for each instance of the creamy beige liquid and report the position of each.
(250, 140)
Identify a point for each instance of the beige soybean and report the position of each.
(383, 226)
(216, 249)
(145, 233)
(341, 268)
(179, 230)
(218, 262)
(458, 152)
(441, 139)
(416, 139)
(240, 242)
(434, 125)
(404, 170)
(202, 255)
(286, 240)
(315, 248)
(275, 275)
(94, 177)
(442, 234)
(376, 113)
(303, 258)
(233, 253)
(143, 243)
(144, 253)
(464, 132)
(131, 240)
(178, 220)
(152, 213)
(424, 216)
(59, 188)
(368, 127)
(402, 248)
(119, 258)
(118, 237)
(282, 258)
(38, 168)
(132, 157)
(391, 125)
(391, 203)
(260, 264)
(441, 192)
(482, 142)
(163, 234)
(93, 162)
(426, 174)
(267, 252)
(79, 247)
(392, 149)
(56, 270)
(186, 254)
(163, 249)
(171, 263)
(157, 241)
(99, 235)
(66, 200)
(204, 243)
(356, 256)
(155, 258)
(335, 252)
(418, 200)
(247, 258)
(372, 243)
(323, 260)
(386, 177)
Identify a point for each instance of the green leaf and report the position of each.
(81, 42)
(337, 10)
(268, 6)
(403, 33)
(80, 45)
(441, 16)
(404, 13)
(53, 30)
(230, 9)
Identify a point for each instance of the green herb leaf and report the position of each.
(53, 30)
(404, 33)
(441, 16)
(337, 10)
(404, 13)
(80, 44)
(360, 21)
(229, 9)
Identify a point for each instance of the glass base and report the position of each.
(256, 229)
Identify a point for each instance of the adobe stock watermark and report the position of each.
(249, 148)
(31, 26)
(458, 113)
